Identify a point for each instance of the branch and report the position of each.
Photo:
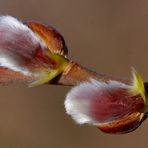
(36, 54)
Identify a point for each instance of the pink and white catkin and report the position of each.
(112, 106)
(25, 55)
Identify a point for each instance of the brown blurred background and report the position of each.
(108, 36)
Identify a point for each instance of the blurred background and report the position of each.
(108, 36)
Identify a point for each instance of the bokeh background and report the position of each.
(107, 36)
